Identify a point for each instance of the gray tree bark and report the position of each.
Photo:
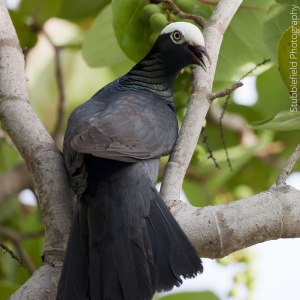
(213, 31)
(43, 159)
(215, 231)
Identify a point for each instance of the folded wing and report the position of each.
(134, 127)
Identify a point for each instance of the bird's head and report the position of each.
(182, 44)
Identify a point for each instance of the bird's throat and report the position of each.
(151, 74)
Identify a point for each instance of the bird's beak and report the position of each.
(198, 52)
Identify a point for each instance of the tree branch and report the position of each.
(199, 104)
(288, 167)
(196, 18)
(216, 231)
(225, 92)
(42, 157)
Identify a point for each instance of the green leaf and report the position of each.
(273, 96)
(27, 37)
(79, 9)
(288, 59)
(100, 47)
(39, 11)
(277, 20)
(242, 48)
(191, 296)
(283, 121)
(131, 32)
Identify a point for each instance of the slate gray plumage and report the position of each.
(124, 242)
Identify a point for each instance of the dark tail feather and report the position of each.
(73, 283)
(174, 255)
(122, 271)
(133, 244)
(134, 271)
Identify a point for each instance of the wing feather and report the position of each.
(131, 128)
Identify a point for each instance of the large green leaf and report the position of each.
(191, 296)
(242, 46)
(288, 59)
(39, 11)
(100, 47)
(131, 32)
(273, 96)
(284, 121)
(79, 9)
(277, 20)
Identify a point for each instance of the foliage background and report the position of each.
(101, 41)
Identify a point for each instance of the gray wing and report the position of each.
(134, 127)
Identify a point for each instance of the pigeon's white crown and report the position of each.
(191, 33)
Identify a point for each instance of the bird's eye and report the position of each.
(177, 35)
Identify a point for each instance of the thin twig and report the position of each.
(14, 256)
(234, 122)
(61, 103)
(16, 239)
(226, 91)
(237, 84)
(258, 65)
(196, 18)
(221, 131)
(208, 148)
(170, 19)
(28, 235)
(60, 84)
(288, 166)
